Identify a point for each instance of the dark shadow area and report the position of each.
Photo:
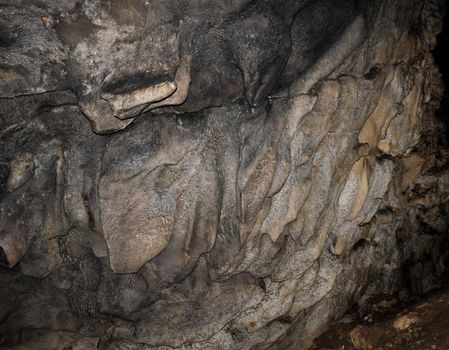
(3, 260)
(441, 56)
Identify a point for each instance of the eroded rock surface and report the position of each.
(213, 174)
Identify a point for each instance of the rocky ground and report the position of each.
(421, 324)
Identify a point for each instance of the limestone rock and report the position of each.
(214, 174)
(402, 322)
(365, 338)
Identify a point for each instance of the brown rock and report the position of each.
(365, 338)
(403, 322)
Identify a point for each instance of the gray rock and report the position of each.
(214, 174)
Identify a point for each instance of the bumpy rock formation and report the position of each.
(214, 174)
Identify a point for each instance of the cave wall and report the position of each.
(214, 174)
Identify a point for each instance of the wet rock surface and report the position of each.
(215, 174)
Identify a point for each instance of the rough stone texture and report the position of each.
(277, 164)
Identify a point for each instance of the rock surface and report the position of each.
(425, 319)
(214, 174)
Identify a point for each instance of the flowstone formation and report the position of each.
(214, 174)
